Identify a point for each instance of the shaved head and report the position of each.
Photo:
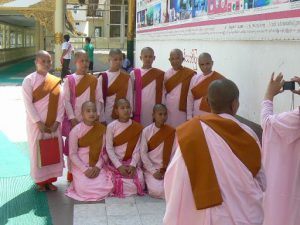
(115, 51)
(41, 54)
(120, 102)
(147, 49)
(176, 51)
(80, 53)
(205, 55)
(223, 96)
(87, 104)
(158, 107)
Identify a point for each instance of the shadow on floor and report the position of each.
(29, 207)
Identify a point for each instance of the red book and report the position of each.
(48, 152)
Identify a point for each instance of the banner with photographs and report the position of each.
(219, 19)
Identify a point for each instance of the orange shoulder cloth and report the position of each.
(51, 86)
(93, 139)
(119, 88)
(130, 136)
(158, 75)
(183, 77)
(201, 90)
(166, 135)
(88, 81)
(195, 152)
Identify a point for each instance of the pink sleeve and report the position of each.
(110, 147)
(190, 101)
(73, 148)
(61, 109)
(175, 145)
(136, 156)
(101, 159)
(163, 100)
(100, 102)
(130, 93)
(286, 124)
(144, 154)
(132, 80)
(176, 178)
(27, 90)
(67, 101)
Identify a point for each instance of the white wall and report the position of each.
(248, 63)
(83, 27)
(80, 14)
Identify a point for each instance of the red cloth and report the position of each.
(49, 181)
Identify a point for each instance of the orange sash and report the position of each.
(201, 89)
(88, 81)
(119, 88)
(158, 75)
(49, 86)
(93, 139)
(130, 136)
(183, 77)
(195, 152)
(165, 135)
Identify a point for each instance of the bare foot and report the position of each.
(41, 188)
(51, 187)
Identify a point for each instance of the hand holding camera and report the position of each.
(274, 87)
(297, 80)
(278, 85)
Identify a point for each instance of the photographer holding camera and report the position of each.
(281, 157)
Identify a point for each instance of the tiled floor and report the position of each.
(134, 210)
(130, 211)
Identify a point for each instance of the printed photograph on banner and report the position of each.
(180, 10)
(261, 3)
(153, 15)
(217, 6)
(141, 18)
(200, 8)
(244, 19)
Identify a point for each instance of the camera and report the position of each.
(289, 85)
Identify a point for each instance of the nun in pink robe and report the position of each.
(281, 158)
(116, 154)
(75, 113)
(147, 99)
(38, 112)
(153, 161)
(83, 188)
(241, 193)
(175, 116)
(110, 100)
(192, 107)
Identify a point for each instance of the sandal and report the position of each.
(51, 187)
(41, 188)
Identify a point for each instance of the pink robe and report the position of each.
(76, 112)
(152, 162)
(147, 99)
(110, 100)
(281, 158)
(38, 112)
(192, 108)
(116, 154)
(175, 116)
(241, 193)
(83, 188)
